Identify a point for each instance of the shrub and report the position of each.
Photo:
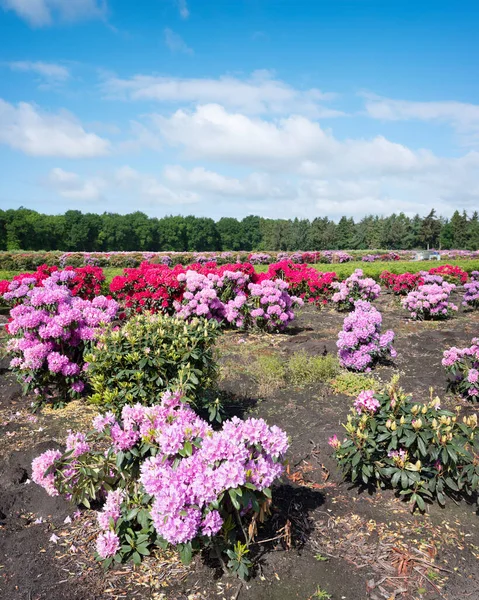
(430, 301)
(422, 451)
(170, 480)
(355, 287)
(452, 274)
(360, 343)
(462, 364)
(269, 306)
(51, 329)
(306, 282)
(147, 355)
(471, 295)
(401, 284)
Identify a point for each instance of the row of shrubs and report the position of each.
(19, 260)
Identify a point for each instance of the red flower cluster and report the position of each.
(450, 273)
(311, 257)
(148, 287)
(401, 284)
(87, 281)
(156, 287)
(304, 281)
(86, 284)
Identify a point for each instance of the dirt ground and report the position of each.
(341, 542)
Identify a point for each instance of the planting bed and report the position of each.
(326, 538)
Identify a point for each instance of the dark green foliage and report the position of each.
(149, 354)
(422, 451)
(25, 229)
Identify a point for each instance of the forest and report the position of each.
(25, 229)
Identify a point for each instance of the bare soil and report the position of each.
(342, 542)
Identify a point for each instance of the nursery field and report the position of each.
(326, 538)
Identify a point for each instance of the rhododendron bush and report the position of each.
(471, 295)
(401, 284)
(450, 273)
(430, 301)
(361, 343)
(306, 282)
(85, 283)
(421, 450)
(234, 295)
(462, 364)
(355, 287)
(50, 331)
(147, 355)
(165, 477)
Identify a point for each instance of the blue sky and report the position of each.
(230, 107)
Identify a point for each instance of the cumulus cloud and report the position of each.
(462, 116)
(260, 93)
(295, 143)
(176, 43)
(24, 127)
(255, 185)
(40, 13)
(150, 188)
(71, 186)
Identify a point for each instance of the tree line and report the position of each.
(25, 229)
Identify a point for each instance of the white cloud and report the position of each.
(50, 72)
(24, 127)
(149, 188)
(462, 116)
(71, 186)
(176, 43)
(39, 13)
(259, 93)
(183, 8)
(255, 185)
(295, 144)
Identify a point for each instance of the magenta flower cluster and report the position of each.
(270, 306)
(471, 295)
(462, 364)
(366, 402)
(360, 343)
(355, 287)
(50, 329)
(186, 469)
(430, 301)
(231, 298)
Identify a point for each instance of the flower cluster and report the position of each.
(355, 287)
(259, 258)
(430, 301)
(306, 282)
(401, 284)
(50, 330)
(184, 479)
(394, 442)
(270, 306)
(361, 343)
(471, 295)
(462, 364)
(85, 283)
(451, 273)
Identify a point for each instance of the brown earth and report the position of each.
(344, 542)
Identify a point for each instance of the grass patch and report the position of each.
(352, 384)
(272, 372)
(305, 370)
